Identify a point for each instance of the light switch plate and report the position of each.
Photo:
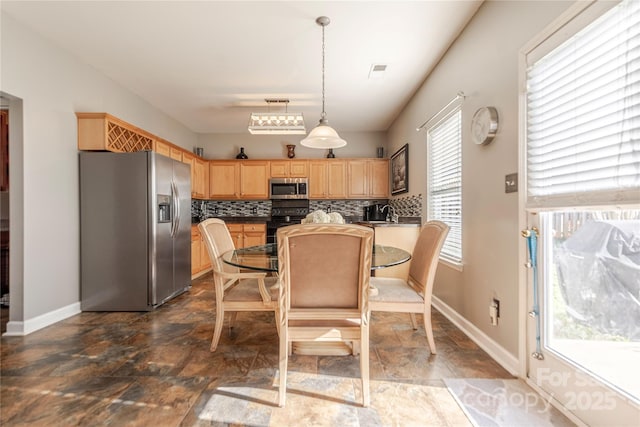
(511, 183)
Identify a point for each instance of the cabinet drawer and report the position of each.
(255, 227)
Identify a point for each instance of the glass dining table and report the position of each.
(265, 257)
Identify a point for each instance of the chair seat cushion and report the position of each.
(247, 290)
(391, 289)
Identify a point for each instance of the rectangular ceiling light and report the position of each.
(277, 123)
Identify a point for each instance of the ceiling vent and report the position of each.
(377, 71)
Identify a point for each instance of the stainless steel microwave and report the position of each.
(288, 188)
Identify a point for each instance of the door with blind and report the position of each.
(581, 146)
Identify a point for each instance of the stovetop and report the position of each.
(289, 208)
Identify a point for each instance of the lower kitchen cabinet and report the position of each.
(251, 234)
(200, 261)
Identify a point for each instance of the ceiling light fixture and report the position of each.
(279, 123)
(323, 136)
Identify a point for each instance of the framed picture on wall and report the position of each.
(400, 170)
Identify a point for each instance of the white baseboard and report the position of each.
(18, 329)
(496, 351)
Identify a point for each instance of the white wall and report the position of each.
(53, 86)
(483, 62)
(226, 146)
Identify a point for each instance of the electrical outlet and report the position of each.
(494, 311)
(254, 210)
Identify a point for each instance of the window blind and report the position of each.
(583, 115)
(445, 181)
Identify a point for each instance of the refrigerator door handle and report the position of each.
(176, 218)
(174, 208)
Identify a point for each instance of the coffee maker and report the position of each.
(375, 212)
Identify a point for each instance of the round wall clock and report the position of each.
(484, 125)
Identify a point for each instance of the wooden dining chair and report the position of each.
(324, 274)
(235, 290)
(414, 294)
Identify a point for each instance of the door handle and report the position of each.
(177, 215)
(174, 203)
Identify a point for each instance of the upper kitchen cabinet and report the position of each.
(358, 186)
(199, 175)
(232, 179)
(289, 169)
(327, 179)
(378, 170)
(201, 182)
(368, 178)
(102, 131)
(163, 148)
(168, 149)
(188, 159)
(224, 179)
(254, 179)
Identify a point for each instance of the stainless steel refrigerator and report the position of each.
(135, 230)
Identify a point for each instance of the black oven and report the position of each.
(285, 212)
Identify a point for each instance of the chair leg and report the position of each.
(428, 328)
(364, 369)
(413, 321)
(355, 347)
(217, 330)
(284, 356)
(232, 320)
(277, 317)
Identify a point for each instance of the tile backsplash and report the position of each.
(404, 206)
(408, 206)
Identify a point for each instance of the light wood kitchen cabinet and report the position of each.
(289, 169)
(200, 261)
(245, 179)
(189, 159)
(358, 183)
(379, 178)
(368, 178)
(102, 131)
(327, 179)
(250, 234)
(254, 179)
(163, 148)
(200, 179)
(166, 148)
(224, 179)
(175, 153)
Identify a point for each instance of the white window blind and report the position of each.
(583, 115)
(445, 181)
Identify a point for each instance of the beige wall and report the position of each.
(50, 86)
(483, 63)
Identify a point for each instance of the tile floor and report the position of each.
(155, 369)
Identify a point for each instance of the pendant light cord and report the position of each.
(323, 116)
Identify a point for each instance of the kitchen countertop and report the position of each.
(240, 219)
(409, 221)
(400, 223)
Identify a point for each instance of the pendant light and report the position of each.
(323, 136)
